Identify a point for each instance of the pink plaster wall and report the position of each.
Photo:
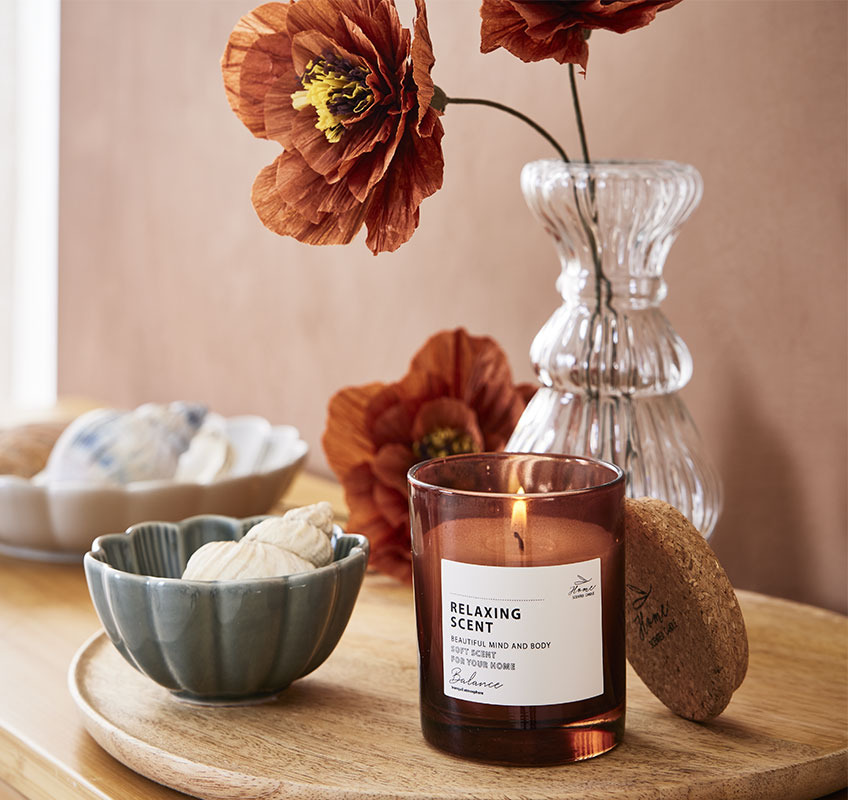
(170, 287)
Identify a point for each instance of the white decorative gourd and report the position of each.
(298, 541)
(229, 561)
(318, 514)
(295, 535)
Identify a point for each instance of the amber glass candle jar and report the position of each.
(518, 564)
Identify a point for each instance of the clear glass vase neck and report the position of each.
(612, 222)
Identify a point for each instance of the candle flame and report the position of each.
(519, 513)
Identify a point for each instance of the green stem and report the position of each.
(578, 113)
(501, 107)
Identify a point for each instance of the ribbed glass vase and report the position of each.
(609, 363)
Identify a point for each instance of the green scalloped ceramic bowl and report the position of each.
(218, 642)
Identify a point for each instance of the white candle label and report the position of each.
(522, 636)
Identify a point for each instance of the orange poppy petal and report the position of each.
(538, 29)
(391, 464)
(489, 372)
(367, 169)
(279, 216)
(364, 514)
(394, 561)
(415, 173)
(450, 355)
(503, 26)
(257, 52)
(391, 548)
(380, 534)
(395, 426)
(422, 60)
(345, 440)
(380, 24)
(270, 206)
(334, 160)
(620, 16)
(279, 114)
(427, 125)
(454, 381)
(390, 544)
(392, 425)
(358, 483)
(420, 385)
(308, 191)
(385, 164)
(376, 21)
(474, 370)
(393, 505)
(497, 402)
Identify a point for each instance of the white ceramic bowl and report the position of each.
(59, 521)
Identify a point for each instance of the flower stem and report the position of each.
(578, 113)
(603, 285)
(501, 107)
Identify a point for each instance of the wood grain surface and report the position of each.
(351, 729)
(785, 727)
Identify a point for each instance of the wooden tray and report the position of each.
(351, 730)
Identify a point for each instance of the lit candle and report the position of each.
(518, 602)
(519, 520)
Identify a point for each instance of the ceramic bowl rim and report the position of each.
(361, 546)
(57, 521)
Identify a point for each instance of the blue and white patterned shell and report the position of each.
(118, 447)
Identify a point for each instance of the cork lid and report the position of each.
(686, 636)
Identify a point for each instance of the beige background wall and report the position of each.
(171, 288)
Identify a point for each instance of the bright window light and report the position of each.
(33, 307)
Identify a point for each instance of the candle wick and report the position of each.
(520, 541)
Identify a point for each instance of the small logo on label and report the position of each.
(583, 587)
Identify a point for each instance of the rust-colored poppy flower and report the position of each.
(535, 30)
(346, 90)
(458, 397)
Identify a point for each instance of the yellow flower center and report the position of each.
(443, 442)
(337, 89)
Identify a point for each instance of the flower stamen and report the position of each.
(337, 89)
(443, 442)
